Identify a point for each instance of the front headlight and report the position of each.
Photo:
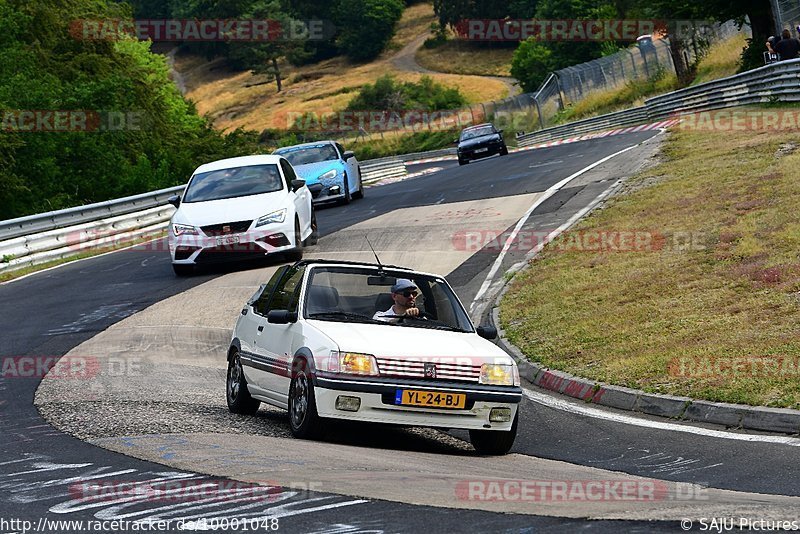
(352, 363)
(330, 175)
(274, 217)
(184, 229)
(497, 374)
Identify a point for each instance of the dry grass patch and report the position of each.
(232, 100)
(463, 57)
(721, 286)
(241, 99)
(416, 22)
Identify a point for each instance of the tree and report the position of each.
(262, 57)
(366, 26)
(531, 64)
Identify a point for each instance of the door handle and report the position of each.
(261, 328)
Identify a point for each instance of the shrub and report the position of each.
(387, 94)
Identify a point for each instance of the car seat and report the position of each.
(322, 299)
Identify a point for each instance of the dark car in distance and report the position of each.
(480, 141)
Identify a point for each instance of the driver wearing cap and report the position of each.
(404, 294)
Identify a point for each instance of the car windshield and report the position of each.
(233, 182)
(477, 132)
(354, 294)
(309, 154)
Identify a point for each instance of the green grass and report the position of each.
(632, 318)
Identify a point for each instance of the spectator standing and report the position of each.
(787, 47)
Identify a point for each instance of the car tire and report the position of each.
(360, 193)
(494, 442)
(462, 161)
(236, 392)
(304, 421)
(314, 237)
(347, 196)
(297, 253)
(504, 151)
(182, 270)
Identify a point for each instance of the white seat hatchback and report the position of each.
(240, 208)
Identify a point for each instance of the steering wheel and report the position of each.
(423, 316)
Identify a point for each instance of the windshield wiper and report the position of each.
(344, 315)
(424, 322)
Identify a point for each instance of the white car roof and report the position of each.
(242, 161)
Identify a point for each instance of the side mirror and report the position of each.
(297, 184)
(175, 200)
(281, 317)
(348, 154)
(500, 131)
(487, 332)
(455, 141)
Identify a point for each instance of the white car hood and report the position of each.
(230, 209)
(388, 341)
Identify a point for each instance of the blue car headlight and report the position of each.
(330, 175)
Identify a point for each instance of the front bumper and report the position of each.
(321, 194)
(256, 243)
(473, 153)
(377, 404)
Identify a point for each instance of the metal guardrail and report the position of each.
(43, 222)
(628, 117)
(386, 168)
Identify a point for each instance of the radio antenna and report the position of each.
(374, 253)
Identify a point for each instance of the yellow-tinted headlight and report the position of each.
(353, 363)
(497, 374)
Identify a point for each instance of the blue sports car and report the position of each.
(330, 172)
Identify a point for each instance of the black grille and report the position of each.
(183, 253)
(239, 251)
(226, 228)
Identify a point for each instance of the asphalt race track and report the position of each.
(153, 407)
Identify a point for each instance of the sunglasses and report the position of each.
(410, 293)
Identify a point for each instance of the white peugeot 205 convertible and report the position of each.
(325, 340)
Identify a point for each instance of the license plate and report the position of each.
(433, 399)
(227, 240)
(482, 150)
